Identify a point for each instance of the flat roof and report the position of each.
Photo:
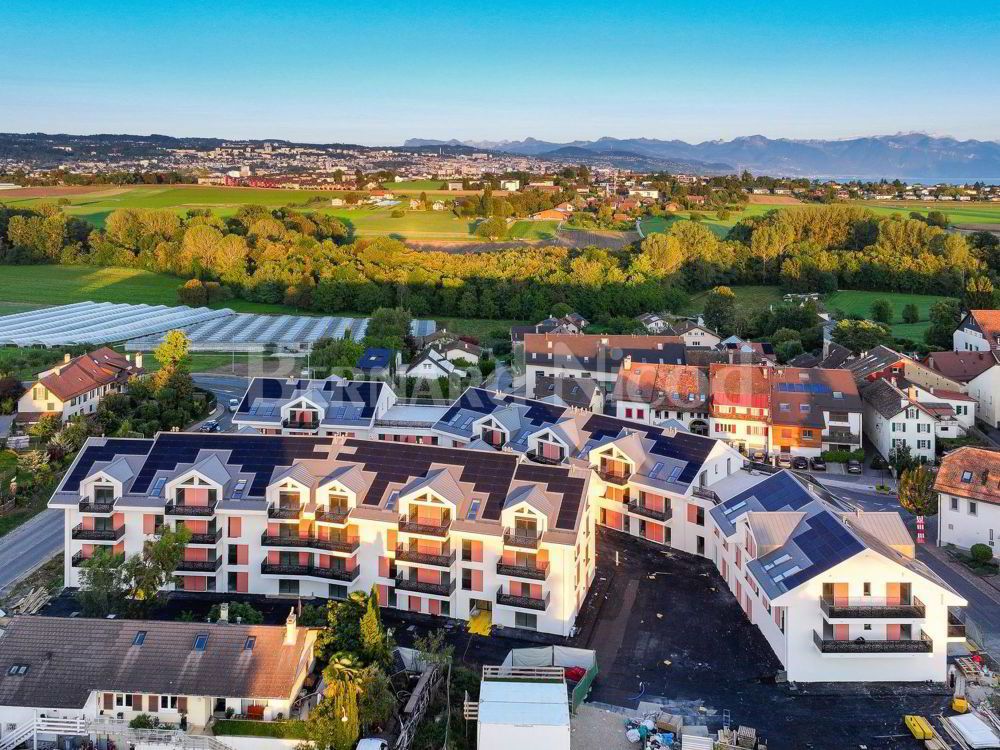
(523, 703)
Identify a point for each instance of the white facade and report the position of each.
(985, 388)
(912, 427)
(964, 521)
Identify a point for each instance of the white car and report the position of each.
(372, 743)
(234, 404)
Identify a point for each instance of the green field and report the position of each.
(423, 185)
(860, 303)
(533, 230)
(749, 297)
(958, 213)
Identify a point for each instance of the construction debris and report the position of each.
(32, 602)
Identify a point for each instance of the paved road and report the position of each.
(30, 545)
(224, 387)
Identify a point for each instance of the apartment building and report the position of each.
(659, 393)
(900, 414)
(66, 676)
(767, 411)
(979, 331)
(976, 373)
(594, 356)
(837, 594)
(442, 531)
(77, 385)
(968, 487)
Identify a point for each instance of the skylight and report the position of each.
(473, 510)
(248, 644)
(675, 474)
(18, 670)
(966, 476)
(139, 639)
(783, 575)
(778, 561)
(200, 641)
(390, 504)
(157, 489)
(734, 508)
(239, 489)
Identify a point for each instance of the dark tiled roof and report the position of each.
(573, 391)
(68, 658)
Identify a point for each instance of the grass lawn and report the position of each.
(958, 213)
(860, 303)
(533, 230)
(750, 298)
(424, 185)
(478, 327)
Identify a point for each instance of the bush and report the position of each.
(397, 213)
(238, 612)
(911, 314)
(842, 457)
(981, 553)
(143, 721)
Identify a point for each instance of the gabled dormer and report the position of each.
(616, 461)
(290, 493)
(304, 412)
(547, 446)
(198, 489)
(338, 493)
(429, 504)
(525, 517)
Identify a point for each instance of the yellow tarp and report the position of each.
(481, 622)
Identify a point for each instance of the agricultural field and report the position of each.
(750, 298)
(423, 185)
(533, 230)
(959, 213)
(860, 303)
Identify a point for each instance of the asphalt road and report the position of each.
(32, 544)
(224, 387)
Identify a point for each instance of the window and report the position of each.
(867, 589)
(973, 508)
(526, 620)
(123, 700)
(18, 670)
(139, 639)
(200, 641)
(286, 586)
(337, 591)
(467, 550)
(954, 503)
(868, 626)
(807, 434)
(966, 476)
(467, 579)
(168, 702)
(923, 445)
(923, 428)
(249, 643)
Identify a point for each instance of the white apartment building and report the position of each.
(968, 486)
(442, 531)
(77, 385)
(979, 331)
(837, 594)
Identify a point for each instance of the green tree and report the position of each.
(720, 310)
(374, 641)
(102, 584)
(388, 327)
(945, 315)
(916, 491)
(145, 573)
(46, 426)
(333, 724)
(901, 459)
(860, 335)
(979, 293)
(376, 700)
(882, 311)
(788, 350)
(911, 314)
(492, 229)
(172, 356)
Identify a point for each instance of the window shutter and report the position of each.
(137, 701)
(153, 703)
(182, 704)
(109, 700)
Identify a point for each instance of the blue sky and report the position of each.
(380, 72)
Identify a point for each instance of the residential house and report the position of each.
(659, 393)
(653, 323)
(580, 393)
(979, 331)
(77, 385)
(377, 362)
(837, 594)
(432, 364)
(569, 323)
(66, 677)
(696, 333)
(455, 349)
(511, 186)
(976, 373)
(549, 214)
(436, 530)
(968, 487)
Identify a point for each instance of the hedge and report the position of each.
(294, 729)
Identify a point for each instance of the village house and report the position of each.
(656, 394)
(968, 487)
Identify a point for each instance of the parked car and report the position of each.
(818, 464)
(234, 404)
(800, 463)
(211, 426)
(853, 467)
(783, 460)
(758, 456)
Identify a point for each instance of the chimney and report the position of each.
(627, 362)
(224, 612)
(291, 629)
(138, 360)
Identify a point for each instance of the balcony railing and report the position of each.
(208, 537)
(333, 515)
(524, 538)
(641, 510)
(442, 560)
(182, 509)
(535, 571)
(523, 602)
(79, 559)
(285, 512)
(410, 526)
(842, 436)
(422, 587)
(922, 645)
(311, 542)
(296, 424)
(705, 494)
(869, 608)
(98, 535)
(199, 566)
(316, 571)
(956, 627)
(98, 506)
(613, 476)
(537, 457)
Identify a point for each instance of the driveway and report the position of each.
(667, 632)
(31, 544)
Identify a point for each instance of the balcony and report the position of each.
(534, 571)
(79, 559)
(422, 587)
(315, 571)
(98, 506)
(98, 535)
(311, 542)
(333, 515)
(871, 608)
(284, 512)
(208, 537)
(923, 645)
(299, 424)
(523, 602)
(409, 526)
(845, 437)
(199, 566)
(706, 494)
(524, 538)
(641, 510)
(181, 509)
(538, 458)
(443, 560)
(956, 626)
(613, 476)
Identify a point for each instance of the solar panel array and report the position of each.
(253, 454)
(93, 454)
(826, 542)
(560, 482)
(804, 388)
(356, 399)
(99, 323)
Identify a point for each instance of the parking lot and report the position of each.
(667, 632)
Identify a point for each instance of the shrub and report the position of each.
(911, 314)
(142, 721)
(397, 213)
(981, 553)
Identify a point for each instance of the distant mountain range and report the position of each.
(905, 155)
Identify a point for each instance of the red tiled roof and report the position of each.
(989, 323)
(961, 366)
(89, 371)
(980, 466)
(657, 384)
